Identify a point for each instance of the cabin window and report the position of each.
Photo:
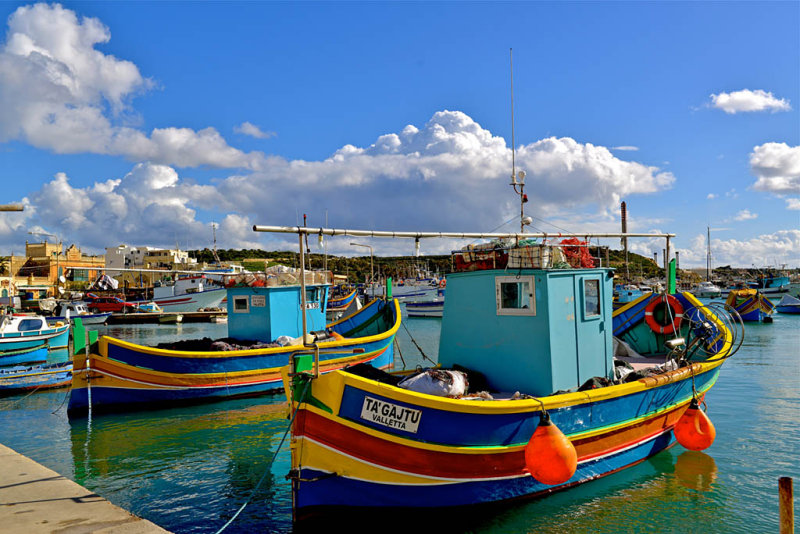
(591, 299)
(241, 304)
(515, 295)
(26, 325)
(312, 298)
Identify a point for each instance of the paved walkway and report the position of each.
(35, 499)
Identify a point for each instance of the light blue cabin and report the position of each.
(530, 330)
(266, 313)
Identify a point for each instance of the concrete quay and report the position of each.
(35, 499)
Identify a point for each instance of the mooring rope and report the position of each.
(414, 341)
(269, 466)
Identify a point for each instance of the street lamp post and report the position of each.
(371, 265)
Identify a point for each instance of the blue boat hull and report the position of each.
(36, 354)
(39, 377)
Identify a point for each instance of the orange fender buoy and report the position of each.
(550, 456)
(694, 429)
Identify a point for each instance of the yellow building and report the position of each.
(44, 263)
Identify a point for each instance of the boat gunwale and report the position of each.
(533, 404)
(104, 341)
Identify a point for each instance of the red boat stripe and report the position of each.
(390, 454)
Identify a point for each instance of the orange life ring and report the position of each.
(675, 311)
(442, 283)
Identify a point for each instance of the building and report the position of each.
(146, 259)
(43, 265)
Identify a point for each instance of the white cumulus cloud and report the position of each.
(747, 100)
(59, 93)
(777, 167)
(793, 203)
(449, 174)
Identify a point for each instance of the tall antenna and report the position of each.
(523, 198)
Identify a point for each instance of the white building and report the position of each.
(124, 257)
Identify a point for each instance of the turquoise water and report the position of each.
(189, 469)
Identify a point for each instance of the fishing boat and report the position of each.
(625, 293)
(265, 329)
(751, 304)
(69, 310)
(187, 294)
(22, 331)
(344, 304)
(769, 285)
(534, 348)
(18, 379)
(788, 304)
(431, 307)
(34, 354)
(706, 289)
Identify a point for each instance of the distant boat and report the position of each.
(69, 310)
(430, 307)
(751, 305)
(706, 289)
(771, 286)
(38, 377)
(788, 304)
(625, 293)
(187, 294)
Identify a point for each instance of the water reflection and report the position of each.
(696, 470)
(201, 463)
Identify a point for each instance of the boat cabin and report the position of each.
(266, 313)
(536, 331)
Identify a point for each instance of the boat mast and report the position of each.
(708, 253)
(523, 198)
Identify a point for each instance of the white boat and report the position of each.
(425, 308)
(188, 294)
(422, 288)
(706, 289)
(68, 310)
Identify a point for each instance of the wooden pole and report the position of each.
(786, 505)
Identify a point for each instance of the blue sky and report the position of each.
(143, 123)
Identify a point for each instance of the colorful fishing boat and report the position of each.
(22, 331)
(788, 304)
(19, 379)
(35, 354)
(535, 347)
(343, 305)
(265, 328)
(751, 304)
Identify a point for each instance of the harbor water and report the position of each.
(189, 469)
